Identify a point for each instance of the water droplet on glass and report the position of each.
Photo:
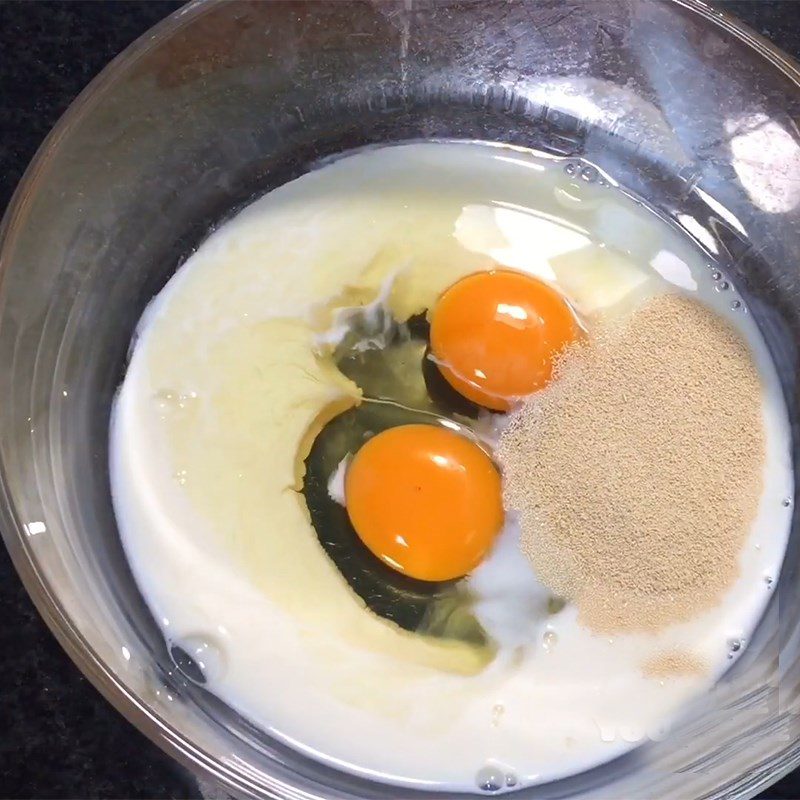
(589, 174)
(490, 779)
(722, 286)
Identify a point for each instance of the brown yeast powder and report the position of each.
(637, 472)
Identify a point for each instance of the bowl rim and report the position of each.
(39, 588)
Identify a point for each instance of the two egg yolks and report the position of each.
(494, 336)
(423, 499)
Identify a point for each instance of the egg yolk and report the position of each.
(424, 500)
(494, 336)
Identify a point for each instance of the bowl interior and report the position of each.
(228, 100)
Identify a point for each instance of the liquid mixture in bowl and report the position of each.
(453, 466)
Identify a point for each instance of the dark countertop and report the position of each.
(59, 738)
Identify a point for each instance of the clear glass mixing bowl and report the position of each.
(223, 101)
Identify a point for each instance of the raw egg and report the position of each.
(425, 500)
(494, 336)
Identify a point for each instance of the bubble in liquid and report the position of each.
(736, 305)
(716, 275)
(490, 779)
(722, 286)
(164, 399)
(198, 658)
(786, 502)
(208, 654)
(511, 780)
(549, 640)
(589, 174)
(170, 399)
(769, 580)
(186, 665)
(497, 713)
(734, 646)
(571, 169)
(181, 476)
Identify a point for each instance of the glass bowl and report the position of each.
(226, 100)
